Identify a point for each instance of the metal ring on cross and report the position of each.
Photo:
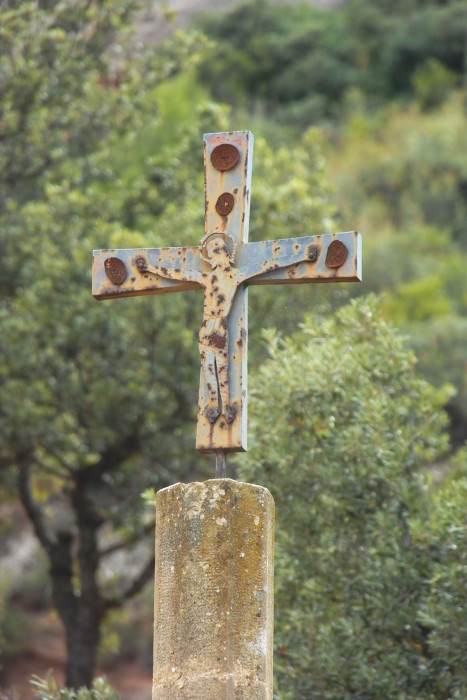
(229, 240)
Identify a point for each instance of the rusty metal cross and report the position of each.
(223, 266)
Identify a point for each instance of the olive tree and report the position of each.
(341, 432)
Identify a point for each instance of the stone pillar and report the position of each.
(214, 592)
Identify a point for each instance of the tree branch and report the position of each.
(110, 459)
(135, 587)
(126, 543)
(35, 514)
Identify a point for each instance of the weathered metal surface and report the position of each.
(223, 266)
(302, 260)
(136, 283)
(213, 598)
(223, 376)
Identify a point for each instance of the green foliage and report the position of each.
(341, 428)
(96, 398)
(443, 610)
(47, 689)
(301, 61)
(403, 167)
(100, 399)
(49, 112)
(400, 178)
(51, 220)
(432, 83)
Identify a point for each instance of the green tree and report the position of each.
(99, 400)
(442, 613)
(94, 399)
(341, 431)
(401, 177)
(300, 61)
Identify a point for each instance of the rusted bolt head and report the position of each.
(312, 252)
(141, 264)
(225, 156)
(212, 413)
(225, 203)
(336, 255)
(230, 413)
(115, 270)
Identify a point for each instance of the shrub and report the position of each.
(47, 689)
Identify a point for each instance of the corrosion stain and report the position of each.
(225, 156)
(312, 252)
(225, 203)
(336, 255)
(217, 340)
(115, 270)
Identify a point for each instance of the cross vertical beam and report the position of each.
(228, 160)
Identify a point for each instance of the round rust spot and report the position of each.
(225, 203)
(115, 270)
(336, 255)
(225, 156)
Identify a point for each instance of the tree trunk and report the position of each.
(74, 563)
(79, 610)
(83, 636)
(80, 614)
(82, 646)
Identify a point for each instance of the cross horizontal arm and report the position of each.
(134, 271)
(327, 258)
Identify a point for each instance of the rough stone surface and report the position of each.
(214, 592)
